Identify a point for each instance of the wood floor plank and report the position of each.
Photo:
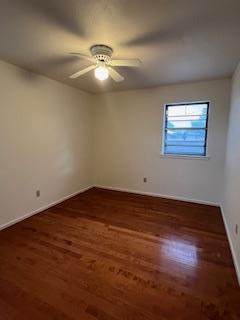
(111, 255)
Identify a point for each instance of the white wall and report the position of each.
(128, 137)
(61, 140)
(45, 141)
(231, 197)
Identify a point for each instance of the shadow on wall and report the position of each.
(28, 75)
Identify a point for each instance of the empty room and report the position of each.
(119, 160)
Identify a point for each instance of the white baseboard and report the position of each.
(159, 195)
(10, 223)
(237, 267)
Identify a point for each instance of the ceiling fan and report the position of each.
(101, 57)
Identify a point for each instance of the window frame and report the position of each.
(186, 156)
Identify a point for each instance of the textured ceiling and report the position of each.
(177, 41)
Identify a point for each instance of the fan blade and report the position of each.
(115, 75)
(83, 56)
(81, 72)
(125, 63)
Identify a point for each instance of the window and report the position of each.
(186, 127)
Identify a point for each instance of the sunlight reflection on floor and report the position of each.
(180, 252)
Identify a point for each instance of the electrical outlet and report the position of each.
(236, 229)
(38, 193)
(144, 179)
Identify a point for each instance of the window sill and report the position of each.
(184, 157)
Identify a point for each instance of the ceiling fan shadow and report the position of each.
(28, 75)
(64, 14)
(60, 63)
(152, 37)
(132, 75)
(177, 30)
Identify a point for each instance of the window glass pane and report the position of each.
(186, 129)
(197, 151)
(179, 123)
(185, 135)
(188, 109)
(197, 109)
(185, 143)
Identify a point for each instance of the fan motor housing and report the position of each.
(101, 52)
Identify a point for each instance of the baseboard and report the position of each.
(159, 195)
(237, 267)
(12, 222)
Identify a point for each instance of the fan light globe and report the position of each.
(101, 73)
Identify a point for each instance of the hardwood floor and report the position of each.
(109, 255)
